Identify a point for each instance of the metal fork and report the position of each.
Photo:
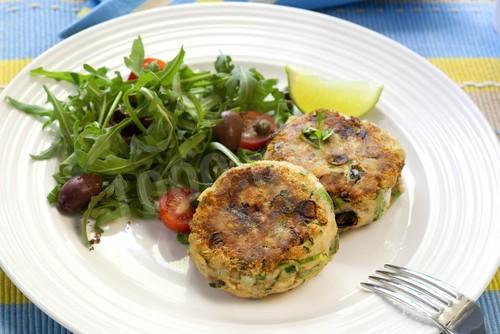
(429, 297)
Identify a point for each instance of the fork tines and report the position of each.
(419, 292)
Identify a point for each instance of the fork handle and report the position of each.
(469, 321)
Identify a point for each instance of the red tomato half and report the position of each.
(147, 61)
(176, 210)
(258, 128)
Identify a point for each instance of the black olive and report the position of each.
(344, 130)
(307, 209)
(286, 94)
(266, 175)
(117, 117)
(194, 202)
(355, 174)
(217, 284)
(288, 98)
(132, 129)
(346, 219)
(338, 159)
(228, 131)
(76, 193)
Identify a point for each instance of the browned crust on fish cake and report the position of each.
(375, 154)
(255, 217)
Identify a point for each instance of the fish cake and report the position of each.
(359, 164)
(263, 228)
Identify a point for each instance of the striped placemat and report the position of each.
(456, 36)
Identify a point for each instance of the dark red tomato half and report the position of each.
(176, 210)
(258, 128)
(148, 61)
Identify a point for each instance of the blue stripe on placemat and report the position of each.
(490, 305)
(27, 30)
(27, 319)
(426, 28)
(430, 29)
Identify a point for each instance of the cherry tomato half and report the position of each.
(176, 210)
(147, 61)
(258, 128)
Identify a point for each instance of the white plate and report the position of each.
(139, 281)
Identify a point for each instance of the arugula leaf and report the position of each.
(98, 73)
(49, 152)
(111, 215)
(72, 77)
(144, 190)
(244, 86)
(248, 156)
(113, 164)
(103, 142)
(115, 188)
(135, 61)
(227, 152)
(29, 109)
(167, 76)
(183, 238)
(61, 116)
(192, 143)
(53, 195)
(223, 64)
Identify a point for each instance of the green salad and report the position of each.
(146, 145)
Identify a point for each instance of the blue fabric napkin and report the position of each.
(97, 11)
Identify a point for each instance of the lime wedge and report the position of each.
(310, 92)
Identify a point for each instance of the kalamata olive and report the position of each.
(118, 116)
(228, 131)
(76, 193)
(131, 129)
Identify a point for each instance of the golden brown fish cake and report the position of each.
(263, 228)
(359, 165)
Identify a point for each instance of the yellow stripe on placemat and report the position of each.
(9, 68)
(495, 282)
(9, 294)
(471, 72)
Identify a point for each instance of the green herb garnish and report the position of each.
(317, 136)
